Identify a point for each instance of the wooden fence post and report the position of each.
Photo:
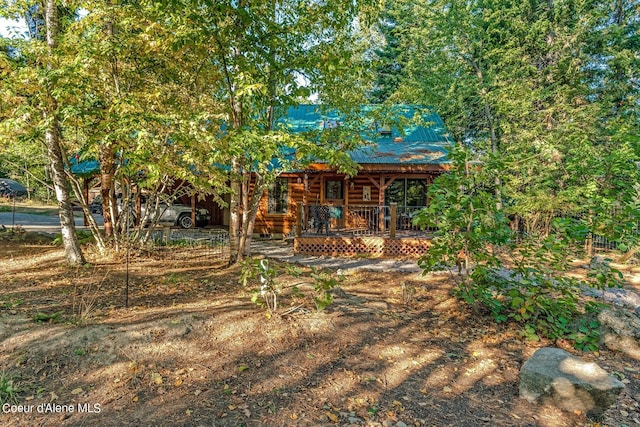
(392, 223)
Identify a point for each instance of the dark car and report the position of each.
(95, 207)
(11, 188)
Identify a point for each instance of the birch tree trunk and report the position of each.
(234, 210)
(55, 153)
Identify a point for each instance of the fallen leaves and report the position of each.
(156, 378)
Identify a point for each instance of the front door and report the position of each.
(333, 195)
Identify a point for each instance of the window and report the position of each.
(416, 194)
(278, 197)
(407, 192)
(333, 189)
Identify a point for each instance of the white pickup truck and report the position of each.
(181, 215)
(173, 214)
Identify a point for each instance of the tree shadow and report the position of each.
(216, 359)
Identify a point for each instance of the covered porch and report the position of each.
(357, 230)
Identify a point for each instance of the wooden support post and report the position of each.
(299, 219)
(392, 224)
(381, 214)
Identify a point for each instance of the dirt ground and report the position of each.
(192, 350)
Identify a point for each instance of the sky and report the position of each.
(9, 27)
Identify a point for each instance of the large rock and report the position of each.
(620, 331)
(553, 376)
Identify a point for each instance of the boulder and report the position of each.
(554, 377)
(620, 331)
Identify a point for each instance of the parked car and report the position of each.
(11, 188)
(95, 207)
(181, 215)
(172, 214)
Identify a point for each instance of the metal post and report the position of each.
(13, 216)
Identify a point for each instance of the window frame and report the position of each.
(340, 183)
(283, 197)
(405, 190)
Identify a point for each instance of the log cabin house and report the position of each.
(395, 169)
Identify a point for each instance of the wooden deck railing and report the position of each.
(356, 219)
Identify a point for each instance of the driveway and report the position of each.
(39, 222)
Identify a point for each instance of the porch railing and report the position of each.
(357, 219)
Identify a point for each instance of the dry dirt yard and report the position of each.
(192, 350)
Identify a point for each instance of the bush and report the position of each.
(264, 281)
(517, 280)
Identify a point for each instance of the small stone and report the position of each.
(401, 424)
(624, 413)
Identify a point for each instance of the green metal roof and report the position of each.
(417, 135)
(84, 167)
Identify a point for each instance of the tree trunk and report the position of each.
(55, 154)
(488, 115)
(107, 154)
(234, 210)
(95, 230)
(251, 204)
(109, 207)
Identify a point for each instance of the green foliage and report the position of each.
(47, 318)
(84, 237)
(517, 279)
(389, 61)
(469, 226)
(558, 137)
(10, 304)
(260, 278)
(548, 89)
(8, 389)
(264, 281)
(324, 283)
(537, 295)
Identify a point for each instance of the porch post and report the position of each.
(381, 223)
(392, 224)
(298, 219)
